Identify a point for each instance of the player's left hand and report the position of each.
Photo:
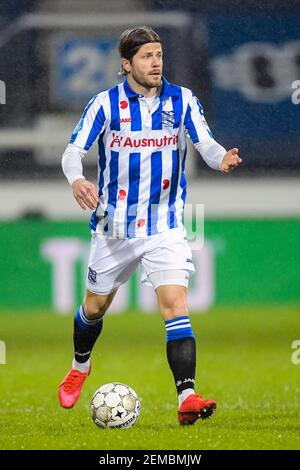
(230, 161)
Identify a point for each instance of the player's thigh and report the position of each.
(172, 301)
(96, 305)
(166, 252)
(111, 262)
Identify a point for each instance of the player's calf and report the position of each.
(86, 332)
(181, 354)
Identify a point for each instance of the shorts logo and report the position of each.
(188, 260)
(92, 276)
(168, 118)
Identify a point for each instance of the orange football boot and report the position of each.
(70, 388)
(193, 407)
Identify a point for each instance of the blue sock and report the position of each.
(181, 352)
(86, 332)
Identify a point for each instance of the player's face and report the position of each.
(146, 65)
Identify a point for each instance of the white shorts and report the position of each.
(112, 260)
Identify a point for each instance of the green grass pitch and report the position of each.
(243, 362)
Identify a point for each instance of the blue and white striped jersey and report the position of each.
(142, 153)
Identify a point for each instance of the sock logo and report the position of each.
(83, 354)
(186, 380)
(92, 276)
(189, 380)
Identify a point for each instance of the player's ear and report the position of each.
(125, 65)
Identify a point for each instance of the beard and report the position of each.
(145, 82)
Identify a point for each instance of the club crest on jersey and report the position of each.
(168, 118)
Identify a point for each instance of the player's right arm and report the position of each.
(90, 125)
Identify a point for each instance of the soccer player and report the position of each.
(141, 127)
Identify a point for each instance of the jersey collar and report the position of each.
(167, 90)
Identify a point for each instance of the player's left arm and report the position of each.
(214, 154)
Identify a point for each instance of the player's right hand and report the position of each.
(85, 194)
(230, 161)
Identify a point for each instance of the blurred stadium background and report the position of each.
(241, 63)
(241, 59)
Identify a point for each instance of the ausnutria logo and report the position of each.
(120, 141)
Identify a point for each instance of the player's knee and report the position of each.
(95, 307)
(175, 307)
(178, 310)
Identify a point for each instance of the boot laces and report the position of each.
(73, 381)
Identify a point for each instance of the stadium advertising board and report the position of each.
(241, 262)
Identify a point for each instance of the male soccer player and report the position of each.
(141, 127)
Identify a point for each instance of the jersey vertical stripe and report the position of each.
(183, 178)
(189, 124)
(112, 191)
(155, 189)
(114, 108)
(135, 114)
(90, 125)
(177, 108)
(157, 118)
(173, 192)
(102, 164)
(80, 123)
(133, 193)
(97, 125)
(101, 168)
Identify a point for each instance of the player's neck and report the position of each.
(135, 86)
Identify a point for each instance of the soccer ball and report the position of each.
(115, 405)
